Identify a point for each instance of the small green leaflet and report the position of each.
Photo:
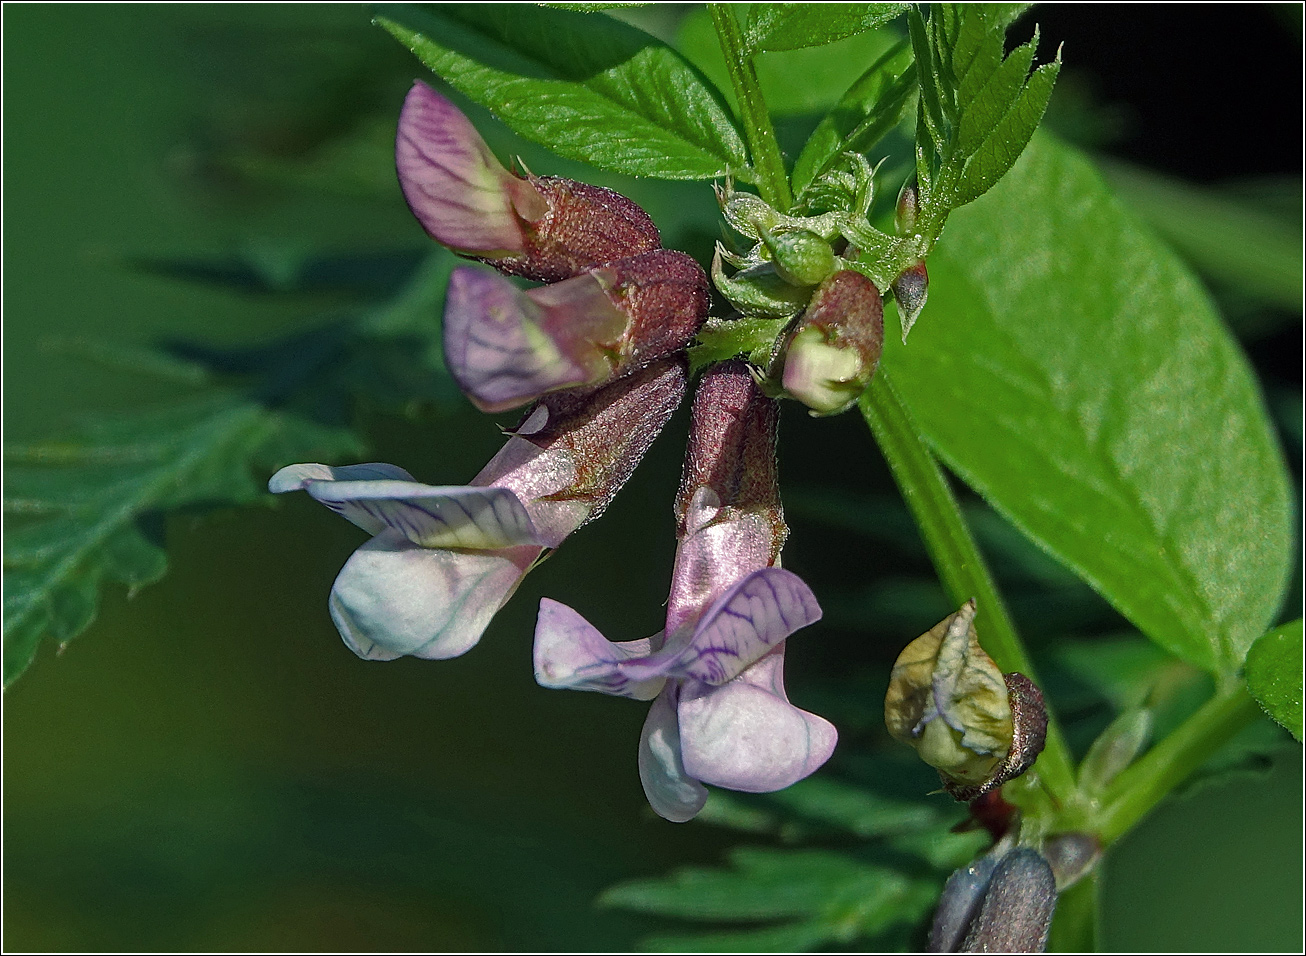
(86, 511)
(588, 87)
(1076, 375)
(977, 110)
(1274, 675)
(789, 26)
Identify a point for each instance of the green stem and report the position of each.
(1076, 924)
(1142, 786)
(955, 554)
(772, 181)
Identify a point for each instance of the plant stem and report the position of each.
(955, 555)
(1076, 925)
(772, 181)
(1142, 786)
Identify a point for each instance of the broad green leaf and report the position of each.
(85, 512)
(794, 82)
(1274, 675)
(788, 26)
(1076, 375)
(874, 104)
(1253, 250)
(589, 88)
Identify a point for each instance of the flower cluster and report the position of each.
(598, 354)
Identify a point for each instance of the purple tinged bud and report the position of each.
(835, 347)
(541, 228)
(1072, 856)
(1016, 913)
(911, 289)
(457, 189)
(505, 346)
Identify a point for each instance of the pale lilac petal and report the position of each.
(300, 477)
(745, 736)
(570, 653)
(673, 793)
(433, 516)
(718, 548)
(505, 347)
(459, 192)
(394, 597)
(743, 624)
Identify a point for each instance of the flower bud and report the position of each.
(542, 228)
(505, 346)
(908, 208)
(835, 348)
(1072, 856)
(911, 289)
(800, 257)
(1015, 914)
(948, 700)
(759, 290)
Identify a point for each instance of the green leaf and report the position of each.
(84, 512)
(1274, 675)
(1253, 250)
(788, 26)
(1075, 374)
(1010, 136)
(589, 88)
(832, 897)
(873, 105)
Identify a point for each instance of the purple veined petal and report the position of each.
(459, 192)
(394, 597)
(434, 517)
(745, 736)
(717, 550)
(300, 477)
(570, 653)
(672, 792)
(505, 347)
(738, 629)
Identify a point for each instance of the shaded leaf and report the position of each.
(589, 88)
(1274, 675)
(1077, 377)
(85, 505)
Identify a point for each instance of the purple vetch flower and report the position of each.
(540, 227)
(443, 560)
(715, 673)
(505, 346)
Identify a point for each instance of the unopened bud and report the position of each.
(759, 291)
(835, 348)
(505, 347)
(800, 257)
(1072, 856)
(911, 288)
(1016, 912)
(908, 208)
(542, 228)
(948, 701)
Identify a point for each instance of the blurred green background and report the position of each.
(208, 767)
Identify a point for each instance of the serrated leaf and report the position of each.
(789, 26)
(88, 501)
(874, 104)
(589, 88)
(1012, 133)
(992, 101)
(1274, 675)
(1076, 375)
